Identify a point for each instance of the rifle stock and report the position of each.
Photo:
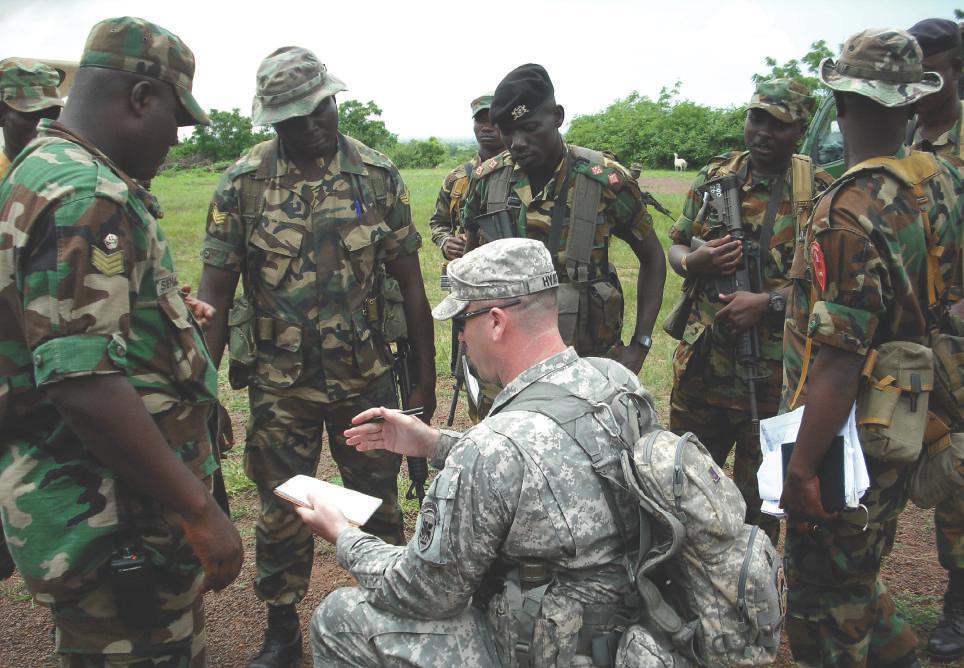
(405, 381)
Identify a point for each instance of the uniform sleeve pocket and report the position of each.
(435, 518)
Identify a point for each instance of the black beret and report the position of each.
(936, 36)
(520, 92)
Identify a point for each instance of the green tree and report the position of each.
(803, 70)
(229, 135)
(419, 153)
(361, 121)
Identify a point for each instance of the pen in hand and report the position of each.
(410, 411)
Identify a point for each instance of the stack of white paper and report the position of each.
(780, 429)
(355, 506)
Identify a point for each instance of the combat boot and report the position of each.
(282, 639)
(947, 639)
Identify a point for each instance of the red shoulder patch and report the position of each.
(819, 266)
(614, 179)
(597, 170)
(478, 170)
(493, 163)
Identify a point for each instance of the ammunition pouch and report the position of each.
(390, 320)
(591, 314)
(242, 347)
(893, 400)
(496, 225)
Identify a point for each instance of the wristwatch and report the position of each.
(777, 304)
(645, 340)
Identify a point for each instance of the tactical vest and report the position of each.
(911, 392)
(590, 307)
(383, 309)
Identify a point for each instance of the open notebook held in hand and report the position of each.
(355, 506)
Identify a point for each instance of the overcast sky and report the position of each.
(423, 61)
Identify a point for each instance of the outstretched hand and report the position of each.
(401, 434)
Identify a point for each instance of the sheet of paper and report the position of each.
(355, 506)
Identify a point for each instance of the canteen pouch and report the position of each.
(948, 395)
(939, 471)
(242, 348)
(892, 403)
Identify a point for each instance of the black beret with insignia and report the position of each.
(936, 36)
(520, 93)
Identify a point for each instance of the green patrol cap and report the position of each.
(884, 64)
(291, 82)
(26, 85)
(134, 45)
(784, 99)
(481, 103)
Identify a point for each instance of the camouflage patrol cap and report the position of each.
(134, 45)
(521, 91)
(884, 64)
(27, 86)
(497, 270)
(291, 82)
(784, 99)
(481, 103)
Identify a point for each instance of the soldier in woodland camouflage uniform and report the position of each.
(939, 129)
(312, 220)
(710, 394)
(516, 513)
(544, 174)
(446, 222)
(28, 92)
(860, 282)
(105, 383)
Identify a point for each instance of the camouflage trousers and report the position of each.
(90, 632)
(284, 440)
(949, 525)
(719, 430)
(839, 611)
(347, 630)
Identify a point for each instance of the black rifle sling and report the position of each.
(769, 219)
(498, 193)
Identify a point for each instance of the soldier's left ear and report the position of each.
(560, 114)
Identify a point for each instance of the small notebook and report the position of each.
(833, 494)
(355, 506)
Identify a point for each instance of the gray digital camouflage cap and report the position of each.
(784, 99)
(497, 270)
(291, 82)
(27, 86)
(884, 64)
(135, 45)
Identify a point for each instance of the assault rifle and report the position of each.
(721, 205)
(404, 378)
(649, 200)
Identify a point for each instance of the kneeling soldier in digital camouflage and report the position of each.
(316, 223)
(517, 558)
(877, 273)
(105, 383)
(775, 188)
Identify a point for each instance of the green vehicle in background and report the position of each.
(823, 141)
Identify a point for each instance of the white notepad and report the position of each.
(355, 506)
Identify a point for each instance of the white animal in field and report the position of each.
(679, 163)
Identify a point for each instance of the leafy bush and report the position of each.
(419, 153)
(638, 129)
(361, 122)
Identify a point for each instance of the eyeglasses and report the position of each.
(462, 317)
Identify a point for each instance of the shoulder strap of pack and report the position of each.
(497, 193)
(582, 218)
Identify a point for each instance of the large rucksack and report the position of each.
(713, 586)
